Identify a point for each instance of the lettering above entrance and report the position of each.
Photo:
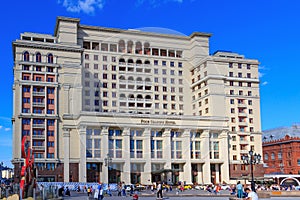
(160, 122)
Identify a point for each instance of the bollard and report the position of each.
(21, 197)
(34, 194)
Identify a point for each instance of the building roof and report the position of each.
(281, 132)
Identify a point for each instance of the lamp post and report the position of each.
(251, 160)
(107, 162)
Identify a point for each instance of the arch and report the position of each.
(147, 62)
(289, 178)
(138, 47)
(122, 95)
(50, 58)
(147, 97)
(121, 46)
(26, 56)
(122, 77)
(131, 96)
(38, 57)
(139, 61)
(130, 61)
(147, 79)
(129, 46)
(121, 60)
(139, 96)
(130, 78)
(147, 50)
(139, 79)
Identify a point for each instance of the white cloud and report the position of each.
(85, 6)
(156, 3)
(7, 129)
(265, 83)
(1, 127)
(260, 74)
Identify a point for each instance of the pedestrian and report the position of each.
(239, 188)
(123, 189)
(251, 194)
(159, 190)
(88, 191)
(119, 189)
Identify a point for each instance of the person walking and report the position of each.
(251, 194)
(119, 189)
(239, 188)
(159, 190)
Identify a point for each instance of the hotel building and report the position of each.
(110, 105)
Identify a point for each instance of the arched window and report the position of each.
(147, 50)
(130, 61)
(138, 48)
(129, 46)
(266, 156)
(272, 156)
(38, 57)
(147, 62)
(121, 46)
(139, 96)
(122, 78)
(121, 60)
(122, 95)
(130, 78)
(131, 96)
(139, 79)
(26, 56)
(147, 79)
(139, 61)
(148, 97)
(50, 58)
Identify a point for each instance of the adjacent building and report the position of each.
(110, 105)
(281, 150)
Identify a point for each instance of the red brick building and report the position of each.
(281, 151)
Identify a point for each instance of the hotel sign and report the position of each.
(157, 122)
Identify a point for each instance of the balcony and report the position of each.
(242, 114)
(38, 136)
(242, 105)
(38, 125)
(38, 104)
(244, 151)
(38, 147)
(244, 142)
(243, 124)
(38, 93)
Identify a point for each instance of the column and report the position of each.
(126, 155)
(224, 155)
(167, 148)
(205, 156)
(66, 99)
(66, 139)
(146, 175)
(82, 147)
(217, 167)
(186, 152)
(104, 152)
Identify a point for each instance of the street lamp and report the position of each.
(251, 160)
(107, 162)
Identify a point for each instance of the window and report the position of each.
(272, 156)
(230, 65)
(234, 147)
(180, 64)
(233, 138)
(240, 65)
(250, 102)
(50, 58)
(234, 157)
(249, 84)
(155, 62)
(164, 63)
(266, 156)
(179, 73)
(248, 75)
(248, 66)
(230, 74)
(26, 56)
(104, 58)
(38, 57)
(279, 156)
(231, 101)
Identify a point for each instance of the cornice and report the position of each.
(56, 46)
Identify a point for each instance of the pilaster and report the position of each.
(205, 156)
(126, 155)
(66, 140)
(186, 153)
(82, 162)
(224, 154)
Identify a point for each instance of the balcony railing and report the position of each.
(39, 104)
(38, 125)
(38, 147)
(38, 93)
(38, 136)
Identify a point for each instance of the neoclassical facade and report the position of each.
(110, 105)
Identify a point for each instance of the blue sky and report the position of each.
(266, 30)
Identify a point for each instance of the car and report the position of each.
(139, 187)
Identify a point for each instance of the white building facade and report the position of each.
(110, 105)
